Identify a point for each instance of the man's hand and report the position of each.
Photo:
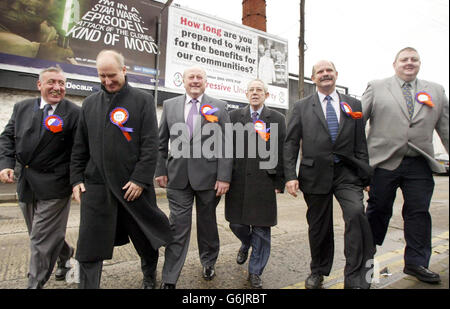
(277, 191)
(221, 187)
(7, 175)
(292, 187)
(162, 181)
(77, 190)
(133, 191)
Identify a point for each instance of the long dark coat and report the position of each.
(251, 199)
(105, 161)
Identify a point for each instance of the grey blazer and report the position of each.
(391, 130)
(193, 166)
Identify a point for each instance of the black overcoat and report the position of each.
(251, 199)
(104, 160)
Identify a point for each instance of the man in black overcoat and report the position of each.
(39, 137)
(251, 204)
(112, 168)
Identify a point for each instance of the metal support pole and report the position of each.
(158, 42)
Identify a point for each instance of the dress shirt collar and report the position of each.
(43, 103)
(259, 111)
(189, 98)
(334, 96)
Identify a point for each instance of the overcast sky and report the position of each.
(360, 36)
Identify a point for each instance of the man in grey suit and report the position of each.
(187, 122)
(39, 137)
(334, 161)
(403, 112)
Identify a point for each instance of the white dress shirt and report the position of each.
(334, 102)
(51, 110)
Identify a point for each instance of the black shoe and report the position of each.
(255, 281)
(61, 269)
(314, 281)
(422, 273)
(167, 286)
(242, 256)
(149, 283)
(208, 272)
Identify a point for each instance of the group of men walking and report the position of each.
(108, 152)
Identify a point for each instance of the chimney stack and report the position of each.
(254, 14)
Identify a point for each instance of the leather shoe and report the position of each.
(61, 269)
(255, 281)
(167, 286)
(422, 273)
(149, 283)
(314, 281)
(242, 256)
(208, 272)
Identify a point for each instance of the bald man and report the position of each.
(112, 168)
(190, 174)
(334, 162)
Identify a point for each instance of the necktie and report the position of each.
(333, 124)
(190, 118)
(254, 116)
(406, 89)
(46, 109)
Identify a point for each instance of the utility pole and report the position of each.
(301, 52)
(158, 42)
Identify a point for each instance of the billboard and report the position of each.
(40, 33)
(231, 54)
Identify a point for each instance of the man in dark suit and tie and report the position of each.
(39, 137)
(403, 112)
(334, 161)
(186, 123)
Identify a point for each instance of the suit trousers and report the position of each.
(258, 238)
(46, 222)
(180, 205)
(90, 272)
(358, 244)
(414, 177)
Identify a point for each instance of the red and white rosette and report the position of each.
(53, 123)
(348, 110)
(260, 128)
(424, 98)
(119, 116)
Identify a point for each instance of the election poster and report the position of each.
(231, 54)
(39, 33)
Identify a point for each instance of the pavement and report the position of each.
(397, 280)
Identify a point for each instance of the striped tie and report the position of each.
(406, 89)
(190, 118)
(254, 116)
(333, 124)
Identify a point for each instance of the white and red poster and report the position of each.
(231, 54)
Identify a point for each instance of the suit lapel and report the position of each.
(396, 92)
(318, 110)
(48, 136)
(179, 114)
(343, 117)
(421, 86)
